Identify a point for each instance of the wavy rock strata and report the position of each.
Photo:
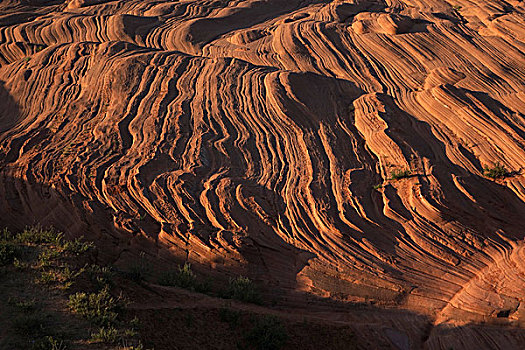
(252, 135)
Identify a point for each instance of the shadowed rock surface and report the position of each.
(251, 137)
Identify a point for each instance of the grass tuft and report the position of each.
(49, 343)
(242, 289)
(400, 174)
(100, 308)
(8, 253)
(107, 335)
(183, 277)
(496, 172)
(39, 235)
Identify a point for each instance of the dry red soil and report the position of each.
(252, 136)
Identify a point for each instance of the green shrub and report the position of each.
(129, 333)
(243, 289)
(105, 335)
(8, 253)
(101, 276)
(100, 308)
(48, 256)
(65, 276)
(6, 235)
(400, 174)
(183, 277)
(498, 171)
(39, 235)
(268, 333)
(24, 305)
(49, 343)
(77, 247)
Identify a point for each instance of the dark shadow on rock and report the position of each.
(10, 112)
(498, 205)
(500, 110)
(496, 335)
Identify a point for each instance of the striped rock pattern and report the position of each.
(260, 136)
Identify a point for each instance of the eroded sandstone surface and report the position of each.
(260, 136)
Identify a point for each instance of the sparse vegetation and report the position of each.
(400, 174)
(97, 316)
(138, 271)
(268, 333)
(8, 253)
(77, 247)
(23, 305)
(378, 186)
(45, 256)
(496, 172)
(39, 235)
(107, 335)
(242, 289)
(101, 276)
(49, 343)
(183, 277)
(239, 288)
(100, 308)
(64, 276)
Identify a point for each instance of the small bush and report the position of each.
(400, 174)
(49, 343)
(378, 186)
(497, 172)
(243, 289)
(64, 276)
(8, 253)
(105, 335)
(24, 305)
(100, 308)
(129, 333)
(268, 333)
(6, 235)
(183, 277)
(100, 276)
(47, 257)
(38, 235)
(77, 247)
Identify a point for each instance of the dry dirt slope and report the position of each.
(253, 136)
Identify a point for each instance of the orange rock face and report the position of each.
(261, 136)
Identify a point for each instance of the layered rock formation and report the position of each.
(261, 136)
